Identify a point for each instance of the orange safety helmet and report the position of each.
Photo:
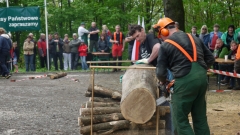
(160, 26)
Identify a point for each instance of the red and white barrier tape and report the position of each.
(35, 77)
(224, 73)
(219, 91)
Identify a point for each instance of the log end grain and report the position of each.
(142, 107)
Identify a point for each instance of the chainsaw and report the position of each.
(166, 90)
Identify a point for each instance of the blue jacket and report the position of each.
(211, 36)
(5, 43)
(205, 39)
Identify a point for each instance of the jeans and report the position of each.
(75, 58)
(29, 62)
(130, 48)
(83, 61)
(93, 44)
(3, 59)
(67, 60)
(58, 56)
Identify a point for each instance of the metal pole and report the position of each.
(7, 3)
(46, 26)
(93, 72)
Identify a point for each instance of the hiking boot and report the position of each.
(230, 87)
(8, 76)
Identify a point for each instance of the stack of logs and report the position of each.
(108, 119)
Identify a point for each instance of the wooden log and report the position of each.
(132, 132)
(89, 94)
(133, 127)
(98, 89)
(99, 99)
(88, 104)
(99, 110)
(86, 120)
(110, 126)
(138, 102)
(58, 75)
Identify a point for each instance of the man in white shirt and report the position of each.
(83, 33)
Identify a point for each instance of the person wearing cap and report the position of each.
(229, 36)
(214, 35)
(83, 33)
(34, 50)
(28, 52)
(74, 44)
(188, 59)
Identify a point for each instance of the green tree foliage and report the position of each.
(209, 12)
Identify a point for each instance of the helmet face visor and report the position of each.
(157, 31)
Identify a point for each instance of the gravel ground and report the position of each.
(42, 106)
(51, 107)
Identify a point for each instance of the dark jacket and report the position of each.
(102, 45)
(5, 43)
(172, 58)
(53, 46)
(17, 53)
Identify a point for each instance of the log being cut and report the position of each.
(138, 102)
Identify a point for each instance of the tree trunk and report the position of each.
(139, 87)
(58, 75)
(86, 120)
(110, 126)
(88, 104)
(114, 94)
(99, 99)
(100, 110)
(174, 9)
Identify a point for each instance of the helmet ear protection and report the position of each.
(164, 32)
(161, 26)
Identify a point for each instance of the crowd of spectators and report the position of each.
(65, 53)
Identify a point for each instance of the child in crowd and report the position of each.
(83, 54)
(230, 67)
(15, 56)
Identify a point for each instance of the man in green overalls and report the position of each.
(188, 59)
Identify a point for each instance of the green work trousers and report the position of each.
(189, 96)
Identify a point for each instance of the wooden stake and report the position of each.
(93, 72)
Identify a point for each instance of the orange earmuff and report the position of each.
(164, 32)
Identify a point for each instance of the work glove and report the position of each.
(142, 61)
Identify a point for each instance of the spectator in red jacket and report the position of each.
(42, 49)
(83, 54)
